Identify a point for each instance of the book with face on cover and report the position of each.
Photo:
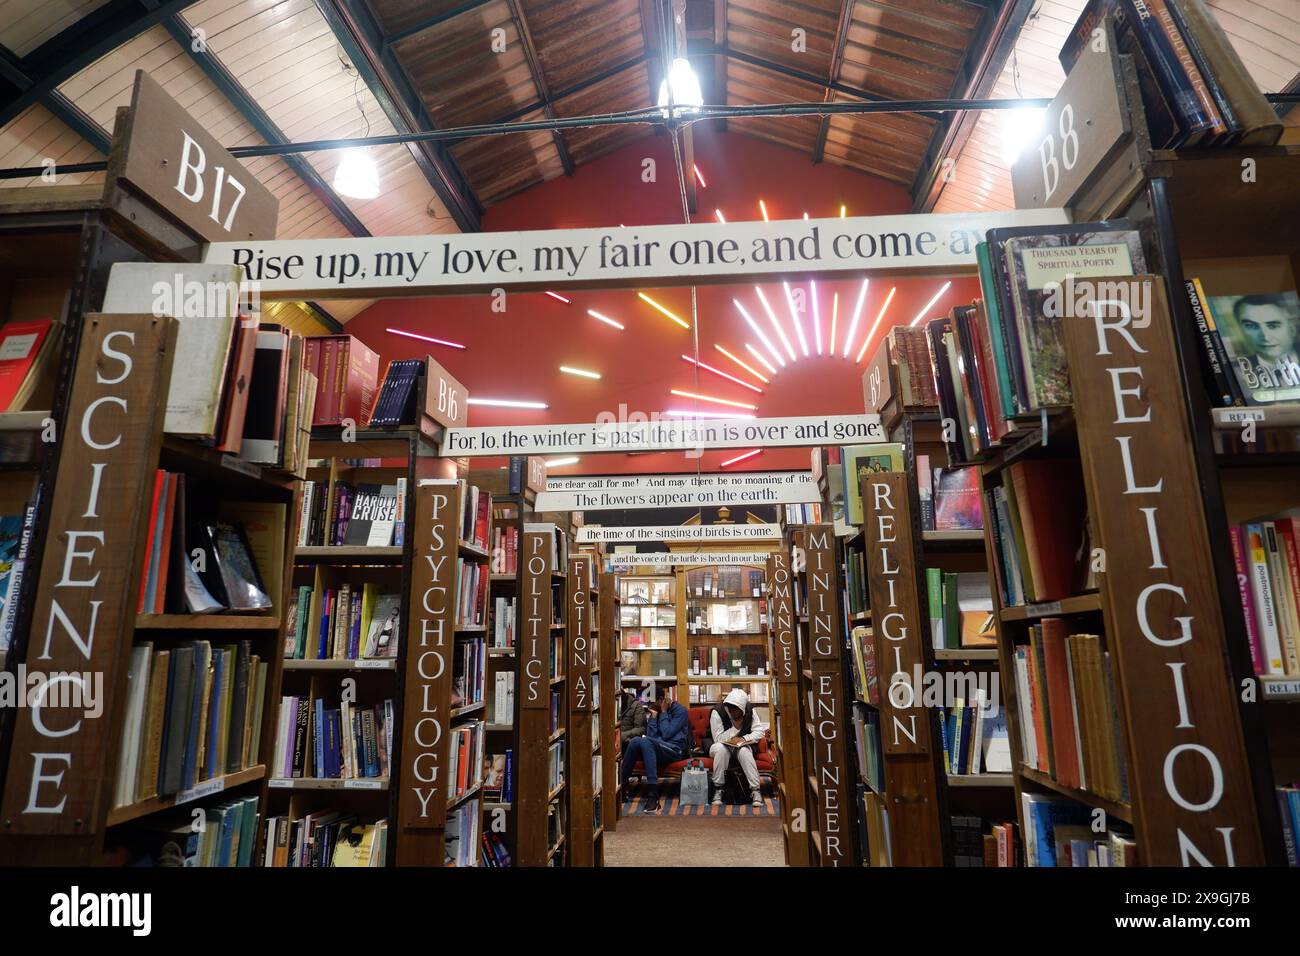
(1261, 334)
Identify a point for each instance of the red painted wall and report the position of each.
(517, 353)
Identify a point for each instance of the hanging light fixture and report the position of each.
(356, 177)
(687, 97)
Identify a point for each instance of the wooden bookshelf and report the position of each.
(582, 666)
(611, 699)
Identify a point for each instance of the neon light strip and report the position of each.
(857, 314)
(683, 413)
(561, 462)
(761, 337)
(718, 371)
(794, 317)
(580, 372)
(835, 314)
(682, 393)
(718, 213)
(748, 454)
(655, 305)
(776, 325)
(505, 403)
(876, 324)
(762, 207)
(748, 368)
(703, 184)
(817, 319)
(926, 308)
(759, 355)
(606, 319)
(426, 338)
(556, 295)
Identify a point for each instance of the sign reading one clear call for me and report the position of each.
(669, 254)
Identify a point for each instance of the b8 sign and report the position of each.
(1068, 151)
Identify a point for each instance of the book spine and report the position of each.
(1183, 56)
(1198, 54)
(1266, 608)
(1169, 73)
(1223, 390)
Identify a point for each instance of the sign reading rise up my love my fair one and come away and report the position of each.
(667, 254)
(664, 434)
(677, 491)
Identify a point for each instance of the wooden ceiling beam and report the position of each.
(539, 79)
(356, 28)
(990, 48)
(837, 61)
(720, 62)
(428, 23)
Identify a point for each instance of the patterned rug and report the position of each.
(671, 807)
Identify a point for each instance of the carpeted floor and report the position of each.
(695, 841)
(670, 807)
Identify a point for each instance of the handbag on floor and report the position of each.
(695, 785)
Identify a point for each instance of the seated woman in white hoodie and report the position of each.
(736, 730)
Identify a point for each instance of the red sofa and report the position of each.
(699, 717)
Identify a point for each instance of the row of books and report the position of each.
(1288, 805)
(555, 765)
(465, 758)
(856, 598)
(1058, 832)
(503, 698)
(361, 515)
(472, 579)
(556, 721)
(1268, 583)
(243, 387)
(713, 693)
(647, 615)
(193, 713)
(805, 513)
(867, 748)
(350, 622)
(862, 664)
(504, 621)
(324, 838)
(397, 401)
(972, 846)
(499, 778)
(1195, 90)
(1040, 531)
(649, 663)
(15, 540)
(227, 836)
(475, 515)
(974, 736)
(505, 543)
(727, 661)
(197, 562)
(349, 742)
(655, 637)
(1250, 345)
(716, 617)
(495, 853)
(961, 609)
(469, 669)
(726, 582)
(1068, 710)
(949, 497)
(461, 837)
(648, 590)
(347, 375)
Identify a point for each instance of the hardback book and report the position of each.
(21, 344)
(373, 517)
(235, 390)
(956, 494)
(860, 460)
(235, 572)
(13, 561)
(1039, 261)
(385, 627)
(348, 374)
(268, 392)
(1261, 335)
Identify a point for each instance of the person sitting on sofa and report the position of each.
(632, 723)
(736, 730)
(667, 739)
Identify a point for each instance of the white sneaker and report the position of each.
(758, 798)
(717, 799)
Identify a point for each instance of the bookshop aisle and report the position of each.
(696, 841)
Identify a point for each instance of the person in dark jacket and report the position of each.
(667, 739)
(632, 723)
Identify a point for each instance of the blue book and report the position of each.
(323, 644)
(319, 737)
(509, 789)
(247, 830)
(226, 817)
(189, 764)
(1042, 816)
(332, 724)
(214, 712)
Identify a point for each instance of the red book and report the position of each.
(360, 381)
(1059, 703)
(1049, 494)
(1242, 567)
(158, 479)
(327, 386)
(481, 520)
(164, 556)
(20, 344)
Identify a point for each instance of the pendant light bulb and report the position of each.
(357, 176)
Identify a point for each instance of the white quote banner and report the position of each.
(677, 491)
(417, 265)
(677, 558)
(662, 434)
(680, 533)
